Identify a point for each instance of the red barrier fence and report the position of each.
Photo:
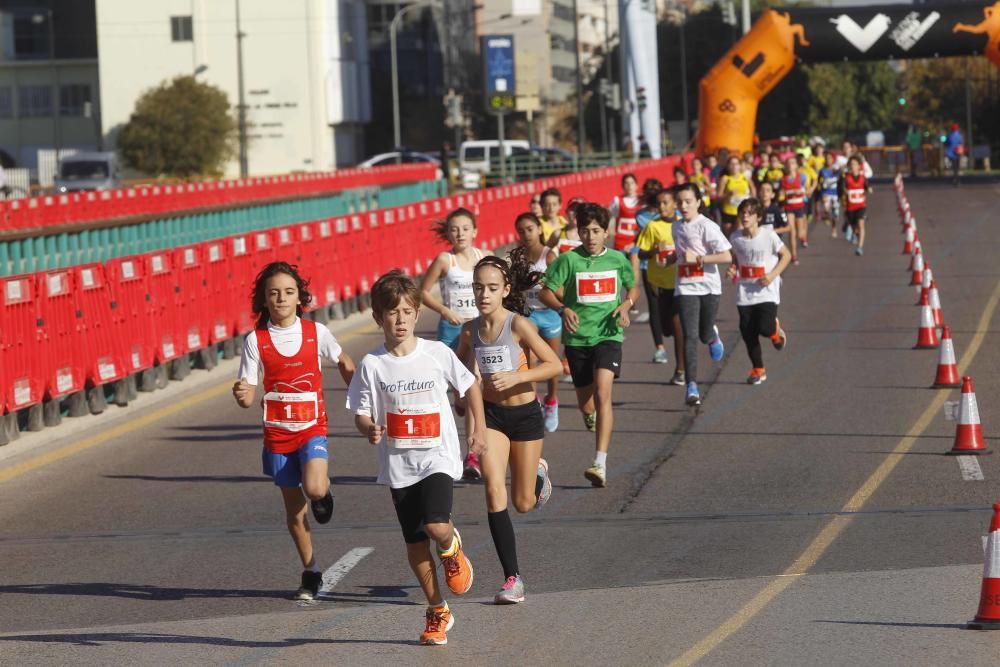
(79, 207)
(67, 330)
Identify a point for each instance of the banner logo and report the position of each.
(862, 38)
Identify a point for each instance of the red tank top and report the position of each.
(293, 404)
(795, 193)
(626, 228)
(855, 189)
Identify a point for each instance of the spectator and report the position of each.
(913, 142)
(954, 150)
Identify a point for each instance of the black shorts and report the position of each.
(668, 308)
(728, 219)
(583, 361)
(853, 217)
(427, 501)
(520, 423)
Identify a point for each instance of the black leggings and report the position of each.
(654, 310)
(698, 313)
(756, 321)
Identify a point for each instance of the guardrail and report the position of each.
(72, 339)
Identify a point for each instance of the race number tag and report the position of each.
(494, 359)
(597, 286)
(414, 426)
(291, 411)
(751, 273)
(463, 302)
(690, 273)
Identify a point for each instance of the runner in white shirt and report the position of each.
(759, 257)
(400, 402)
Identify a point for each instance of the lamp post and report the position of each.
(242, 112)
(393, 26)
(46, 17)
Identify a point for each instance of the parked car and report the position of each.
(476, 157)
(403, 157)
(88, 171)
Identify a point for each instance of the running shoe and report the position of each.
(550, 412)
(805, 244)
(780, 337)
(757, 376)
(511, 592)
(859, 251)
(311, 583)
(590, 421)
(849, 235)
(795, 261)
(716, 349)
(438, 621)
(457, 569)
(660, 357)
(597, 474)
(322, 509)
(640, 318)
(472, 472)
(678, 379)
(693, 397)
(546, 491)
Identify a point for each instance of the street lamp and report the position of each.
(393, 26)
(46, 17)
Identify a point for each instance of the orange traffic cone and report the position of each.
(968, 431)
(927, 276)
(925, 295)
(908, 242)
(947, 370)
(935, 301)
(927, 337)
(918, 269)
(988, 616)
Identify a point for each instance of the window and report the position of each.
(72, 99)
(180, 29)
(34, 101)
(6, 102)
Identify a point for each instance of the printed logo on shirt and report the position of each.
(406, 386)
(293, 364)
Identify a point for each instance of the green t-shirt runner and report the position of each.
(594, 285)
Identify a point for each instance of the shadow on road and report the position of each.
(140, 592)
(343, 480)
(891, 624)
(101, 638)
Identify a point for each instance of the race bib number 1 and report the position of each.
(597, 286)
(291, 411)
(414, 426)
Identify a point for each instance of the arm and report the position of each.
(244, 392)
(621, 312)
(346, 367)
(783, 262)
(526, 334)
(433, 275)
(474, 404)
(368, 428)
(465, 347)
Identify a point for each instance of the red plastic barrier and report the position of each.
(130, 312)
(193, 315)
(62, 332)
(217, 275)
(163, 308)
(100, 333)
(242, 271)
(22, 352)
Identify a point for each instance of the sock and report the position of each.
(450, 551)
(551, 401)
(312, 566)
(502, 531)
(601, 458)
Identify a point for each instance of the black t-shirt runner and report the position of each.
(774, 215)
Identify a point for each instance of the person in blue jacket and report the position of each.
(954, 150)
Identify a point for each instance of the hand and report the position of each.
(621, 314)
(690, 257)
(766, 279)
(375, 433)
(628, 248)
(503, 381)
(451, 316)
(731, 272)
(243, 391)
(477, 442)
(571, 321)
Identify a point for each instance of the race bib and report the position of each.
(690, 273)
(291, 411)
(855, 196)
(494, 359)
(414, 426)
(463, 302)
(663, 255)
(531, 298)
(597, 286)
(751, 273)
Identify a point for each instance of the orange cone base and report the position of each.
(988, 617)
(984, 624)
(969, 440)
(917, 278)
(947, 377)
(927, 342)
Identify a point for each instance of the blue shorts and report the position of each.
(286, 469)
(548, 321)
(449, 333)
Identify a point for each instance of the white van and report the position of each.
(475, 157)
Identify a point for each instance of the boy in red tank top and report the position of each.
(855, 189)
(288, 350)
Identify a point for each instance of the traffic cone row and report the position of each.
(988, 616)
(947, 370)
(927, 337)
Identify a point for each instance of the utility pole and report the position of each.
(580, 138)
(612, 144)
(244, 167)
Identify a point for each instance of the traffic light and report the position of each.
(640, 95)
(902, 101)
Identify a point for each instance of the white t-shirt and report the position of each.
(759, 251)
(287, 342)
(840, 166)
(395, 391)
(703, 237)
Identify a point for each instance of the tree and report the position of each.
(849, 98)
(181, 128)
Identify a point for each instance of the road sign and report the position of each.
(498, 73)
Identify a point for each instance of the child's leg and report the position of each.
(670, 323)
(793, 238)
(298, 524)
(494, 464)
(603, 381)
(524, 457)
(553, 383)
(316, 478)
(423, 566)
(655, 326)
(585, 399)
(689, 309)
(802, 222)
(748, 329)
(861, 232)
(706, 316)
(766, 318)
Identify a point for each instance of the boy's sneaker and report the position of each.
(849, 235)
(311, 583)
(693, 397)
(457, 568)
(472, 472)
(511, 592)
(322, 509)
(859, 251)
(779, 338)
(437, 622)
(660, 357)
(597, 474)
(757, 376)
(639, 318)
(546, 491)
(550, 412)
(590, 421)
(716, 349)
(678, 379)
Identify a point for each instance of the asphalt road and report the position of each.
(811, 520)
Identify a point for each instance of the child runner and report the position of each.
(535, 205)
(774, 174)
(759, 257)
(585, 286)
(529, 232)
(553, 223)
(656, 246)
(856, 187)
(650, 211)
(701, 247)
(830, 204)
(288, 350)
(812, 181)
(793, 184)
(498, 344)
(623, 210)
(734, 188)
(399, 398)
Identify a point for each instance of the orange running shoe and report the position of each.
(438, 622)
(757, 376)
(780, 337)
(457, 569)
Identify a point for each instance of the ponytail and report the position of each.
(518, 273)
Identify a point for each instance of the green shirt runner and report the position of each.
(594, 286)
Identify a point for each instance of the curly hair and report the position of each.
(440, 228)
(259, 294)
(518, 273)
(651, 188)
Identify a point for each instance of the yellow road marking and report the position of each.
(821, 543)
(7, 474)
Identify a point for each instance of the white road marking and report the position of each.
(339, 570)
(971, 472)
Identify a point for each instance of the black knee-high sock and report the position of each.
(502, 531)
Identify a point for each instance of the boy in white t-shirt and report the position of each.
(701, 247)
(759, 257)
(399, 396)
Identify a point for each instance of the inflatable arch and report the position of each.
(732, 89)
